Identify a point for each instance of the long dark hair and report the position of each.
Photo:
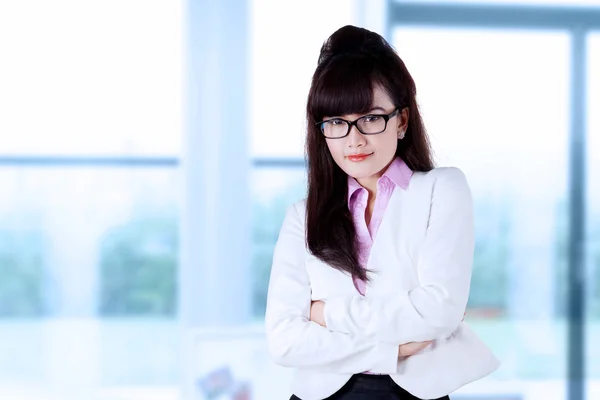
(351, 63)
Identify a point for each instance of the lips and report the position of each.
(358, 157)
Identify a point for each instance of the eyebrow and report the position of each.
(376, 108)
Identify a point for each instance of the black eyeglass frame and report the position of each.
(386, 118)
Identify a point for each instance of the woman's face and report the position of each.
(365, 157)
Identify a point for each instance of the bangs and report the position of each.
(344, 87)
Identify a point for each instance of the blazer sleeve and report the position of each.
(435, 308)
(295, 341)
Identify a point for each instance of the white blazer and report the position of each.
(421, 261)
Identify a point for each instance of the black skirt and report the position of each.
(372, 387)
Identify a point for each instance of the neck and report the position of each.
(370, 184)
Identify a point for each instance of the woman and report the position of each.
(371, 273)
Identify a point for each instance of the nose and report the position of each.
(355, 138)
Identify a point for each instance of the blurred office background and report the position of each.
(148, 150)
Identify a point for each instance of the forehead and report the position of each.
(381, 98)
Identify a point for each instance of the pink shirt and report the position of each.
(397, 174)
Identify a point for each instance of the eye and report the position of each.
(333, 122)
(372, 118)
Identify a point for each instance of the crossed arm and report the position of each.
(404, 350)
(356, 334)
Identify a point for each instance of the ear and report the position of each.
(403, 119)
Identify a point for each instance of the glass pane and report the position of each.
(593, 221)
(88, 262)
(91, 77)
(499, 111)
(282, 67)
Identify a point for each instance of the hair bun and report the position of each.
(352, 40)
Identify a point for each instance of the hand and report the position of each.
(409, 349)
(316, 312)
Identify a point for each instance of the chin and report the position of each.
(357, 172)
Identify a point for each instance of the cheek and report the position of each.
(386, 144)
(336, 149)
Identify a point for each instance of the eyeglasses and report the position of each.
(372, 124)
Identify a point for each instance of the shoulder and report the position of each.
(299, 207)
(296, 213)
(446, 184)
(445, 174)
(441, 178)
